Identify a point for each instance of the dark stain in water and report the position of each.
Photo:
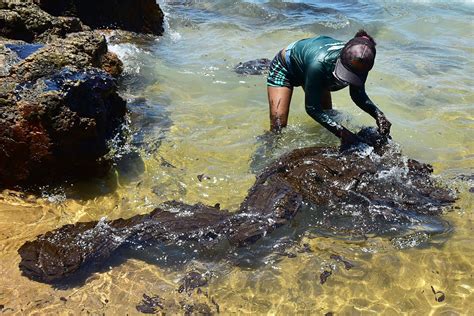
(24, 50)
(347, 265)
(150, 304)
(191, 281)
(324, 276)
(338, 195)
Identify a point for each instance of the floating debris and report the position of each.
(192, 281)
(439, 295)
(202, 177)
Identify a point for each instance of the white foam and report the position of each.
(129, 55)
(169, 32)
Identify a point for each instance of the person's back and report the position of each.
(316, 53)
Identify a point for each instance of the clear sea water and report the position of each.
(190, 114)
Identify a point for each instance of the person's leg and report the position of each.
(279, 99)
(326, 101)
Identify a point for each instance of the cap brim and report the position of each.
(350, 77)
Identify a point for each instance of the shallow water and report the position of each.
(191, 115)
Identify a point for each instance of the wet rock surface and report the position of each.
(27, 22)
(59, 106)
(58, 109)
(143, 16)
(253, 67)
(353, 193)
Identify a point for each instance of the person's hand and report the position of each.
(383, 124)
(349, 139)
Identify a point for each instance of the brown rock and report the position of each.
(111, 64)
(142, 16)
(57, 109)
(26, 21)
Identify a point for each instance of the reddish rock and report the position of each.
(57, 112)
(111, 64)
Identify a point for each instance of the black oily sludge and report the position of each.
(60, 108)
(253, 67)
(24, 50)
(354, 193)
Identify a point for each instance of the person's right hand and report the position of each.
(383, 124)
(349, 139)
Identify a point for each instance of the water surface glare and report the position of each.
(191, 115)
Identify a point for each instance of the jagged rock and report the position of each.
(143, 16)
(253, 67)
(83, 49)
(351, 193)
(26, 21)
(111, 64)
(59, 126)
(57, 112)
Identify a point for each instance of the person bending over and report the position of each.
(321, 65)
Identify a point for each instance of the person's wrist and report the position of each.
(344, 133)
(379, 115)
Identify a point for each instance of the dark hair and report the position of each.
(363, 33)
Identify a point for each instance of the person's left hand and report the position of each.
(383, 124)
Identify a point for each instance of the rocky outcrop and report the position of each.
(253, 67)
(84, 49)
(351, 193)
(58, 108)
(59, 105)
(142, 16)
(27, 22)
